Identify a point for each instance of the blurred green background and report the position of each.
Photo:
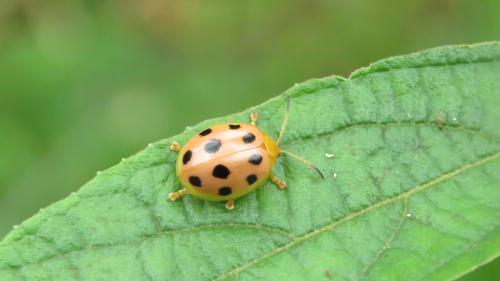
(86, 82)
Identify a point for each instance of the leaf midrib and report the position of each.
(352, 216)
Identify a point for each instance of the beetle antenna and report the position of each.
(285, 120)
(308, 163)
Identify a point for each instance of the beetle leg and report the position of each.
(176, 195)
(254, 116)
(175, 146)
(230, 204)
(279, 183)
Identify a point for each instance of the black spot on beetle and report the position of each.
(213, 146)
(234, 126)
(224, 191)
(251, 179)
(195, 181)
(205, 132)
(248, 138)
(255, 159)
(221, 172)
(187, 157)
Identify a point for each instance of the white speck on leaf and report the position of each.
(329, 155)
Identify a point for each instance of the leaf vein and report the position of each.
(423, 123)
(387, 243)
(352, 216)
(261, 227)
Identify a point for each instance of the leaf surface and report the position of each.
(412, 191)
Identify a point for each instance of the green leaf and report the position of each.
(406, 196)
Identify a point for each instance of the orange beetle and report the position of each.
(227, 161)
